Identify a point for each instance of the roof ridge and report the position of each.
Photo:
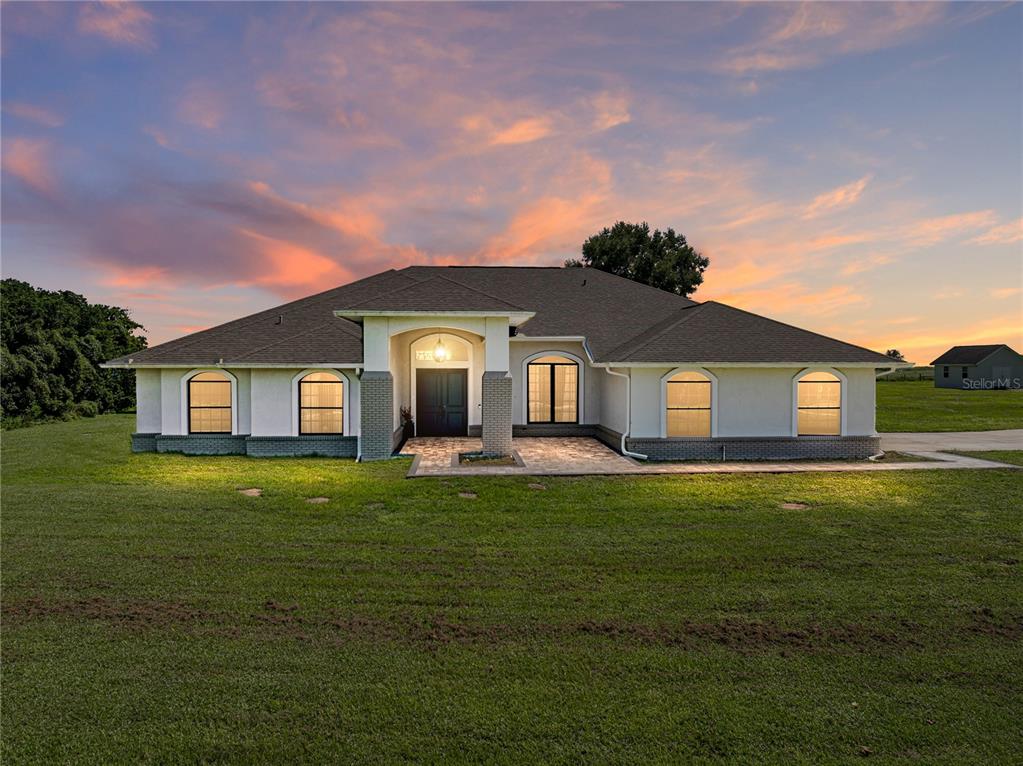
(671, 325)
(234, 324)
(792, 327)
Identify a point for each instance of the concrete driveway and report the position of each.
(966, 441)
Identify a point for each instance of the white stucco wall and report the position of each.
(274, 403)
(265, 403)
(612, 400)
(519, 351)
(752, 401)
(148, 414)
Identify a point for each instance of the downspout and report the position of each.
(358, 440)
(628, 412)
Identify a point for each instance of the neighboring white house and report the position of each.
(502, 352)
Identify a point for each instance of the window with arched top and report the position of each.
(688, 404)
(321, 404)
(209, 403)
(819, 404)
(553, 390)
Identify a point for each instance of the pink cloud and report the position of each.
(120, 22)
(523, 131)
(201, 106)
(28, 159)
(1003, 234)
(38, 114)
(837, 199)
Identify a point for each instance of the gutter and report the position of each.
(628, 412)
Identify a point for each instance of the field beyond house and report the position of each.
(151, 612)
(919, 406)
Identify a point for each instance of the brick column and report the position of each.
(497, 412)
(376, 399)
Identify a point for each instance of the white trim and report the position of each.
(470, 394)
(515, 317)
(236, 365)
(843, 393)
(713, 400)
(186, 424)
(580, 384)
(346, 385)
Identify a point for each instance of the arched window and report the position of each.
(819, 405)
(320, 404)
(209, 403)
(688, 403)
(553, 390)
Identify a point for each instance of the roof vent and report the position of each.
(584, 283)
(280, 319)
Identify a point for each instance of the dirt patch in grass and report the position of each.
(431, 633)
(902, 457)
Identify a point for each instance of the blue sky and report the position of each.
(852, 168)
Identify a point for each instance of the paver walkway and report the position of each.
(577, 456)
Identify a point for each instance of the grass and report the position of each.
(1012, 457)
(919, 406)
(154, 614)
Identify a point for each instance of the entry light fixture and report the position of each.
(439, 352)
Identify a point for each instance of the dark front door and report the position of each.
(442, 403)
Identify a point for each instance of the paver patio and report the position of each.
(583, 456)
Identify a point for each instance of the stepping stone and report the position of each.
(469, 495)
(537, 486)
(251, 492)
(374, 506)
(794, 506)
(317, 500)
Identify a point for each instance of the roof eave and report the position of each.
(236, 365)
(709, 363)
(514, 317)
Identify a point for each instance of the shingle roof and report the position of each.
(433, 294)
(968, 354)
(621, 320)
(714, 332)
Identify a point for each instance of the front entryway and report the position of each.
(442, 402)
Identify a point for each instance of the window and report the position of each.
(553, 383)
(944, 371)
(819, 402)
(688, 401)
(209, 403)
(320, 404)
(966, 372)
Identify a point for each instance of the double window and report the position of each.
(819, 405)
(209, 403)
(320, 404)
(553, 390)
(688, 404)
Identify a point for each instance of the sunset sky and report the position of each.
(853, 169)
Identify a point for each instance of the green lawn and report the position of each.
(151, 613)
(919, 406)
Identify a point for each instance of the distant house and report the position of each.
(975, 367)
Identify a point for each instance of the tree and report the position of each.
(661, 259)
(51, 346)
(895, 354)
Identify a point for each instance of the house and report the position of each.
(501, 352)
(979, 367)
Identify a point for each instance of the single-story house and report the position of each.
(977, 367)
(499, 352)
